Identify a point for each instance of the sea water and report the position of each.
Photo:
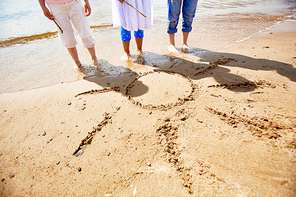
(21, 19)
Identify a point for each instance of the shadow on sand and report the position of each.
(197, 65)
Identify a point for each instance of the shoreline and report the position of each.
(27, 39)
(214, 124)
(46, 62)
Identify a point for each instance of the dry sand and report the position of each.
(211, 123)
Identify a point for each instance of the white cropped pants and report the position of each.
(64, 14)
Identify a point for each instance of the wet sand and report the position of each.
(209, 123)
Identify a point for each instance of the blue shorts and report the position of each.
(126, 35)
(188, 12)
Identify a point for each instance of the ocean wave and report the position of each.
(26, 39)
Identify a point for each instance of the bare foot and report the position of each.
(172, 49)
(186, 49)
(125, 57)
(79, 65)
(95, 61)
(141, 53)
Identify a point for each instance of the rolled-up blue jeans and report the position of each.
(188, 13)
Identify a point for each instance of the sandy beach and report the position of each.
(209, 123)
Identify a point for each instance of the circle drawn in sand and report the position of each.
(160, 90)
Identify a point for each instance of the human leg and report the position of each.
(172, 23)
(125, 38)
(185, 47)
(185, 37)
(126, 54)
(139, 36)
(172, 47)
(92, 52)
(81, 24)
(188, 11)
(74, 54)
(60, 12)
(173, 16)
(139, 43)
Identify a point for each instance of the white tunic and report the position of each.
(129, 18)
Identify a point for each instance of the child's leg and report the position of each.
(125, 38)
(60, 12)
(139, 36)
(139, 42)
(174, 10)
(189, 9)
(172, 39)
(172, 45)
(126, 46)
(74, 54)
(92, 52)
(185, 37)
(81, 24)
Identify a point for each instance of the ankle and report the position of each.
(79, 65)
(172, 49)
(77, 62)
(95, 60)
(141, 53)
(125, 57)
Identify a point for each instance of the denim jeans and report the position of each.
(188, 12)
